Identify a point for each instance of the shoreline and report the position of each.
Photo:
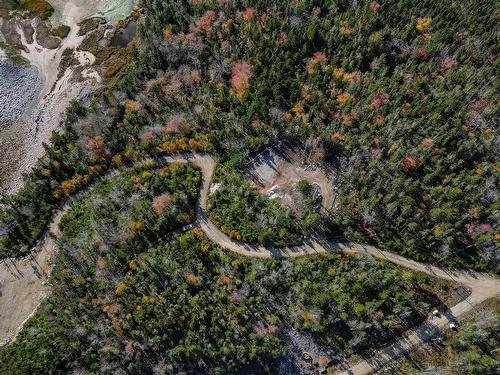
(22, 140)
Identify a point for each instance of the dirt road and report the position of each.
(481, 291)
(24, 286)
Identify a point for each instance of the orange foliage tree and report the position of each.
(240, 77)
(161, 203)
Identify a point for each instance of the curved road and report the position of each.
(23, 282)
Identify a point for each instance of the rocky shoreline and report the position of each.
(20, 91)
(49, 71)
(20, 88)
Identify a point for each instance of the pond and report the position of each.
(124, 36)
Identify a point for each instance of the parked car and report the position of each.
(187, 228)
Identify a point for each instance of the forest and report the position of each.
(400, 95)
(129, 291)
(470, 350)
(245, 215)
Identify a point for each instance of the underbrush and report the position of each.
(244, 214)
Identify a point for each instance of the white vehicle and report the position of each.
(436, 313)
(187, 228)
(452, 326)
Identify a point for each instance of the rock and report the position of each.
(90, 24)
(45, 38)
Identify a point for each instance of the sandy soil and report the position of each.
(277, 174)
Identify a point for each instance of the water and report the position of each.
(123, 37)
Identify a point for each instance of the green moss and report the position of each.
(38, 8)
(12, 53)
(35, 8)
(18, 59)
(61, 31)
(9, 49)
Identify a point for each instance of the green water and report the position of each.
(123, 37)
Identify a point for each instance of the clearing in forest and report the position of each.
(276, 173)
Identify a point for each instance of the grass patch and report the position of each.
(12, 53)
(9, 49)
(115, 60)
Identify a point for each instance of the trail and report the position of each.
(25, 284)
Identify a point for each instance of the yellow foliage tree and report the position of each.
(346, 30)
(131, 106)
(343, 98)
(161, 203)
(117, 159)
(423, 23)
(68, 187)
(167, 31)
(193, 144)
(192, 279)
(120, 288)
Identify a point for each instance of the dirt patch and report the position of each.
(277, 173)
(457, 295)
(304, 356)
(23, 286)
